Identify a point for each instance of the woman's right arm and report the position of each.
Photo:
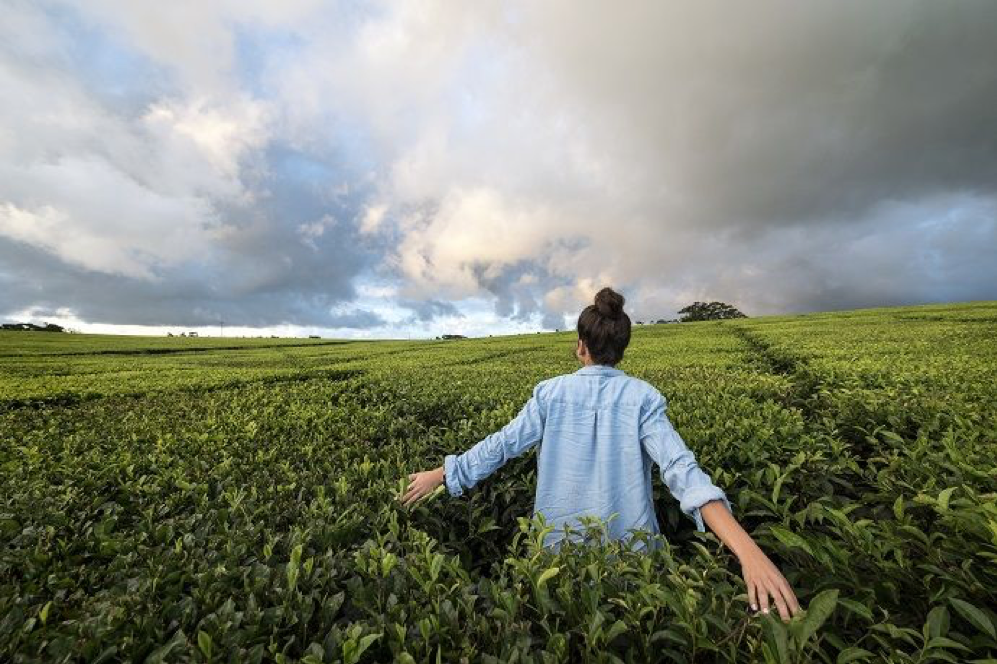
(463, 471)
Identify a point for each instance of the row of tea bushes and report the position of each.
(259, 521)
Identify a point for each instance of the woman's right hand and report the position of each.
(422, 484)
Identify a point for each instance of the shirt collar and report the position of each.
(600, 370)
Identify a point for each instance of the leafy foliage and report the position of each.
(709, 311)
(240, 503)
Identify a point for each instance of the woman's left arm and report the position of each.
(761, 576)
(708, 505)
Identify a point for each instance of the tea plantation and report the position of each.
(227, 500)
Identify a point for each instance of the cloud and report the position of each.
(198, 41)
(220, 137)
(673, 150)
(428, 310)
(238, 291)
(165, 211)
(129, 234)
(256, 161)
(372, 218)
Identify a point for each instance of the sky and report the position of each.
(410, 169)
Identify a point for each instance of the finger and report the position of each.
(752, 596)
(416, 495)
(793, 602)
(763, 598)
(788, 595)
(786, 592)
(411, 476)
(780, 602)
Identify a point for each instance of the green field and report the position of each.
(234, 500)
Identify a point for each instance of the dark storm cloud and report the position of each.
(426, 311)
(823, 134)
(269, 294)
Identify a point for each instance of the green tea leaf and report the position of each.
(975, 616)
(853, 654)
(776, 636)
(547, 575)
(791, 539)
(818, 610)
(204, 643)
(937, 623)
(944, 496)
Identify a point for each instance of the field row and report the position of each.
(253, 516)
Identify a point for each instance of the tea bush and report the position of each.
(238, 502)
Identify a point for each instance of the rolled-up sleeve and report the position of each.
(463, 471)
(686, 481)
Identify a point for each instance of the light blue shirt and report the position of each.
(599, 431)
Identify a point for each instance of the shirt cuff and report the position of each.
(450, 475)
(699, 496)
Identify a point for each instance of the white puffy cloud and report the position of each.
(129, 233)
(196, 40)
(219, 137)
(373, 216)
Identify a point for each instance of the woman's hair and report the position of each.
(605, 327)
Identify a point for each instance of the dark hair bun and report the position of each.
(609, 303)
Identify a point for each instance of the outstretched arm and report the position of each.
(465, 470)
(703, 501)
(761, 576)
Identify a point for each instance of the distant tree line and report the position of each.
(693, 312)
(31, 327)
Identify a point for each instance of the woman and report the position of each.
(599, 430)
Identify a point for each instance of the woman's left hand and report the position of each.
(763, 579)
(422, 484)
(761, 576)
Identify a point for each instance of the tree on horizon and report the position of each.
(709, 311)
